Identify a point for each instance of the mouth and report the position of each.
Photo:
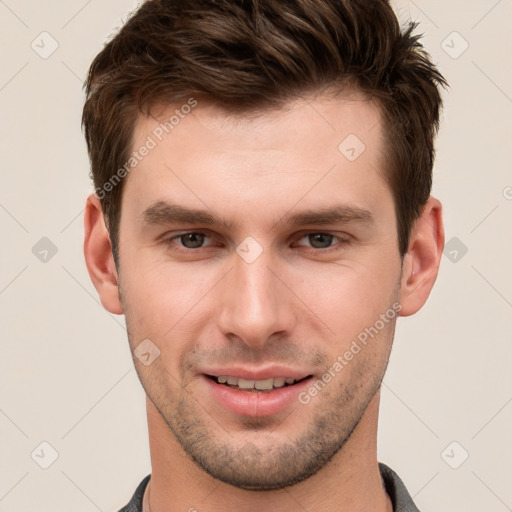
(255, 392)
(257, 386)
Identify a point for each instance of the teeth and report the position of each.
(279, 383)
(245, 384)
(262, 385)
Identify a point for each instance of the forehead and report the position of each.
(317, 146)
(307, 120)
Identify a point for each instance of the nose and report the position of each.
(255, 304)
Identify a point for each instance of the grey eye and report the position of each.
(320, 240)
(192, 240)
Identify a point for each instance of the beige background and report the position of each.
(66, 373)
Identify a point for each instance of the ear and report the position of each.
(422, 260)
(99, 258)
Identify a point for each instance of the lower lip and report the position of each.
(254, 403)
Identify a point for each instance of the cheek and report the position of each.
(153, 284)
(348, 298)
(163, 301)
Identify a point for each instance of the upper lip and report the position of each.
(269, 372)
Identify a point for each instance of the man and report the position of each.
(262, 216)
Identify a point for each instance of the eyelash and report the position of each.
(342, 240)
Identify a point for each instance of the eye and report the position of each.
(191, 240)
(322, 240)
(197, 240)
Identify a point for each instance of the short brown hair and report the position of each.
(257, 54)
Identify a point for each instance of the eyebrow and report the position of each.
(167, 213)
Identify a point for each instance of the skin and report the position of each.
(301, 303)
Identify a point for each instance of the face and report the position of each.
(259, 255)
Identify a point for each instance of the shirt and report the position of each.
(400, 497)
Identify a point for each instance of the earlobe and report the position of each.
(421, 263)
(99, 258)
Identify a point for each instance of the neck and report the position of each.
(349, 482)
